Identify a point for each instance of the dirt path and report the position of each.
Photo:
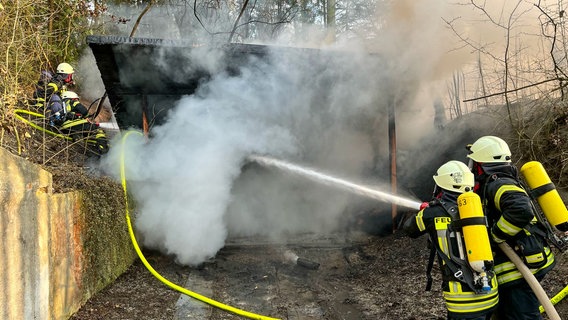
(359, 277)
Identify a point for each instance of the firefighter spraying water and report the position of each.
(455, 225)
(459, 234)
(471, 248)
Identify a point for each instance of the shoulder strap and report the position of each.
(452, 210)
(460, 272)
(459, 268)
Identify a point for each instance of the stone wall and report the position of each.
(56, 249)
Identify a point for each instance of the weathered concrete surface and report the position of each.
(48, 270)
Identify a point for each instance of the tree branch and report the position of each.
(514, 90)
(146, 9)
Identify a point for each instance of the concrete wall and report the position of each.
(55, 249)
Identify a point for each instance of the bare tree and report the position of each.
(549, 29)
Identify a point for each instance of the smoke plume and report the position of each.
(327, 108)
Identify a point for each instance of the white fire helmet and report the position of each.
(489, 149)
(454, 176)
(65, 68)
(69, 95)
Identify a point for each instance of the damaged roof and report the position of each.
(149, 73)
(154, 73)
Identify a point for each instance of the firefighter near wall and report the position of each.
(476, 238)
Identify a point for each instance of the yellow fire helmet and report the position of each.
(454, 176)
(489, 149)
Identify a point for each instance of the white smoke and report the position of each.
(326, 108)
(296, 107)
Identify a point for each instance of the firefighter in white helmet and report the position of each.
(511, 219)
(49, 83)
(78, 125)
(463, 295)
(63, 107)
(74, 109)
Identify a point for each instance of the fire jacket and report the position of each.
(511, 218)
(76, 108)
(55, 110)
(461, 301)
(59, 111)
(46, 87)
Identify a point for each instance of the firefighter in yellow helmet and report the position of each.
(511, 218)
(49, 83)
(464, 296)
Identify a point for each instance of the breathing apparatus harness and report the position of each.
(551, 235)
(543, 227)
(559, 242)
(458, 266)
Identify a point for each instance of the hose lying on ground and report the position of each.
(557, 298)
(532, 281)
(18, 114)
(154, 272)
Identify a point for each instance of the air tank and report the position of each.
(474, 230)
(546, 194)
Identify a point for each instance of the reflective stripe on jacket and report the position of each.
(507, 273)
(460, 301)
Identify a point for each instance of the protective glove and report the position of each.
(424, 205)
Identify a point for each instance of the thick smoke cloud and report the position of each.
(312, 107)
(326, 109)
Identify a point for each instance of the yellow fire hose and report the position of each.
(532, 281)
(156, 274)
(19, 112)
(557, 298)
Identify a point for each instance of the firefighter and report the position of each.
(77, 124)
(55, 110)
(74, 109)
(64, 107)
(511, 219)
(49, 84)
(463, 299)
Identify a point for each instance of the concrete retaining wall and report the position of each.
(56, 250)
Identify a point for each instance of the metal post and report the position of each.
(145, 126)
(392, 158)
